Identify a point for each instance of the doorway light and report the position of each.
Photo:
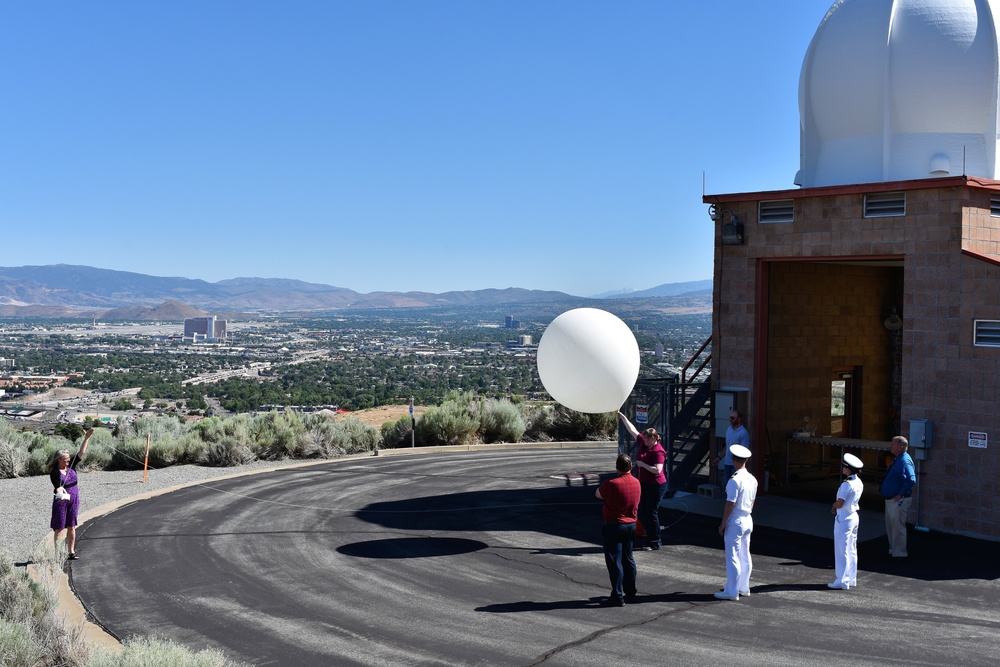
(893, 322)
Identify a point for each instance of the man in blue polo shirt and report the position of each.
(736, 434)
(897, 489)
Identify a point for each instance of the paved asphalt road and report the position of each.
(492, 558)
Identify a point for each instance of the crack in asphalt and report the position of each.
(604, 631)
(546, 568)
(640, 622)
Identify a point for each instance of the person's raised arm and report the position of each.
(86, 441)
(629, 426)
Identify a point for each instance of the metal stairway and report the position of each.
(680, 409)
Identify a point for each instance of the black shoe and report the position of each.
(654, 547)
(73, 556)
(629, 599)
(612, 602)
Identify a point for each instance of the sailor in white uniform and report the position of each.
(737, 525)
(845, 526)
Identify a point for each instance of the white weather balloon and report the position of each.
(588, 360)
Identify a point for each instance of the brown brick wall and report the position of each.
(955, 384)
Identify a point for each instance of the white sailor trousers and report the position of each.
(738, 562)
(845, 549)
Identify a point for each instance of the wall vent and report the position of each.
(987, 333)
(995, 205)
(885, 204)
(777, 210)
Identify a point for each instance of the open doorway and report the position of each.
(846, 403)
(828, 369)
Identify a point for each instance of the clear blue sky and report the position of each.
(393, 145)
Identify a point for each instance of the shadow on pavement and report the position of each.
(573, 513)
(593, 603)
(570, 512)
(412, 547)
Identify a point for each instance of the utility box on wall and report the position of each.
(920, 438)
(724, 402)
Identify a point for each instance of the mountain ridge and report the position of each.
(65, 290)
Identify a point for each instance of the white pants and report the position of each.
(845, 549)
(738, 562)
(896, 515)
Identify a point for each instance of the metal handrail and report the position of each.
(684, 378)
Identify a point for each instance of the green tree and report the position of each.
(70, 431)
(122, 404)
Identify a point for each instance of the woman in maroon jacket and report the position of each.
(650, 460)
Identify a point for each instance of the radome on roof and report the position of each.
(896, 90)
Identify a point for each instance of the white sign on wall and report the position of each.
(977, 439)
(642, 414)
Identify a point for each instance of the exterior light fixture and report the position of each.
(732, 231)
(893, 322)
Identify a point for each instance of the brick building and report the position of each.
(868, 300)
(805, 302)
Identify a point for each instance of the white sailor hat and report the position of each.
(853, 461)
(740, 452)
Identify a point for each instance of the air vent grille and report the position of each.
(885, 204)
(778, 210)
(987, 333)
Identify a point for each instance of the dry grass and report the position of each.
(55, 394)
(380, 415)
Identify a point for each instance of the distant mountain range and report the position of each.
(64, 290)
(691, 288)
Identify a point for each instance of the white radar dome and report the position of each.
(899, 90)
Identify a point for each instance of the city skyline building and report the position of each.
(208, 329)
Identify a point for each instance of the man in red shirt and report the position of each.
(621, 505)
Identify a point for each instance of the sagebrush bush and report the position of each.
(13, 453)
(159, 429)
(210, 429)
(227, 452)
(129, 455)
(152, 652)
(38, 461)
(34, 634)
(572, 425)
(18, 647)
(501, 421)
(41, 453)
(397, 434)
(21, 599)
(319, 438)
(25, 603)
(539, 423)
(100, 451)
(356, 437)
(26, 452)
(278, 434)
(450, 424)
(192, 446)
(461, 419)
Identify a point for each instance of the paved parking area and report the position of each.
(493, 558)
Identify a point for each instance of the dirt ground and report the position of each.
(380, 415)
(55, 394)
